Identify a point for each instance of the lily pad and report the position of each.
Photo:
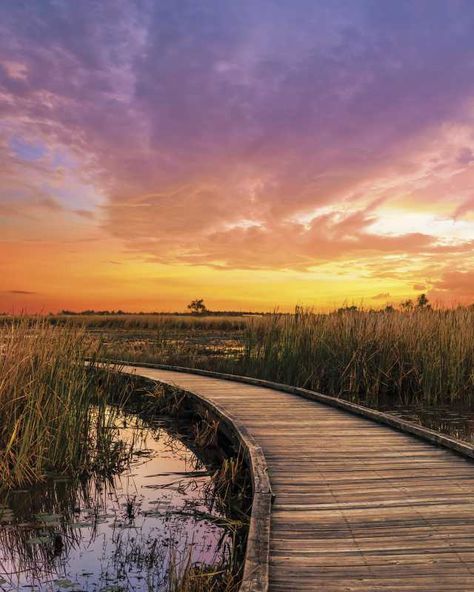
(39, 540)
(65, 583)
(81, 524)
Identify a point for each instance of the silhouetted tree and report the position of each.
(197, 306)
(422, 301)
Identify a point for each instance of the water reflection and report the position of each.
(119, 534)
(455, 422)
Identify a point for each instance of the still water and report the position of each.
(119, 534)
(456, 422)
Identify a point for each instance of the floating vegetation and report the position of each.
(155, 525)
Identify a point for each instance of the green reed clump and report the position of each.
(197, 578)
(418, 356)
(53, 413)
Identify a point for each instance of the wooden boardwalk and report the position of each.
(359, 507)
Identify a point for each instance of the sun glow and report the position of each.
(156, 165)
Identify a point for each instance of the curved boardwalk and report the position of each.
(359, 506)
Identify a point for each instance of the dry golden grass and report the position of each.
(153, 322)
(421, 355)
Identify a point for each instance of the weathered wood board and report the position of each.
(359, 507)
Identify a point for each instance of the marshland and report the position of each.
(110, 485)
(106, 484)
(416, 362)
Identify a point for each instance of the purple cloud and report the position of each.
(215, 129)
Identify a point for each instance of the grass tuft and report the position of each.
(53, 413)
(420, 356)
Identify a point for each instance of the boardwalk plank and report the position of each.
(359, 506)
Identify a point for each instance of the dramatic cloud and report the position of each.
(253, 135)
(454, 287)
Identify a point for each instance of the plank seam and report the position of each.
(461, 448)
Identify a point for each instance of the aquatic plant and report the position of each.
(421, 355)
(185, 576)
(206, 430)
(53, 414)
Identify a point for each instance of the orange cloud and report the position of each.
(454, 287)
(190, 145)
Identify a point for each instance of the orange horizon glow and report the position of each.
(259, 156)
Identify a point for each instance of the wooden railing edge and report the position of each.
(458, 446)
(255, 576)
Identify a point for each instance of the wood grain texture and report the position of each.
(358, 505)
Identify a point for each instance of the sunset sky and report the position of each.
(253, 153)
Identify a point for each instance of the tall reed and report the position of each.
(423, 355)
(53, 414)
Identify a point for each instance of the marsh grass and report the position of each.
(53, 410)
(419, 356)
(226, 482)
(185, 576)
(131, 322)
(206, 431)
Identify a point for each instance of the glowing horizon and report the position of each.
(258, 154)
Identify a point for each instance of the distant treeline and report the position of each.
(207, 313)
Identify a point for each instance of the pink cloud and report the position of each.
(212, 144)
(466, 207)
(455, 286)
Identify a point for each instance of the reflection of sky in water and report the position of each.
(112, 537)
(457, 422)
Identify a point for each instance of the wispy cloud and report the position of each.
(193, 136)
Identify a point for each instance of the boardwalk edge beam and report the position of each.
(462, 448)
(255, 576)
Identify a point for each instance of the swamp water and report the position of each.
(118, 534)
(455, 420)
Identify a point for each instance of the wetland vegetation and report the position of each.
(53, 414)
(101, 489)
(111, 487)
(416, 362)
